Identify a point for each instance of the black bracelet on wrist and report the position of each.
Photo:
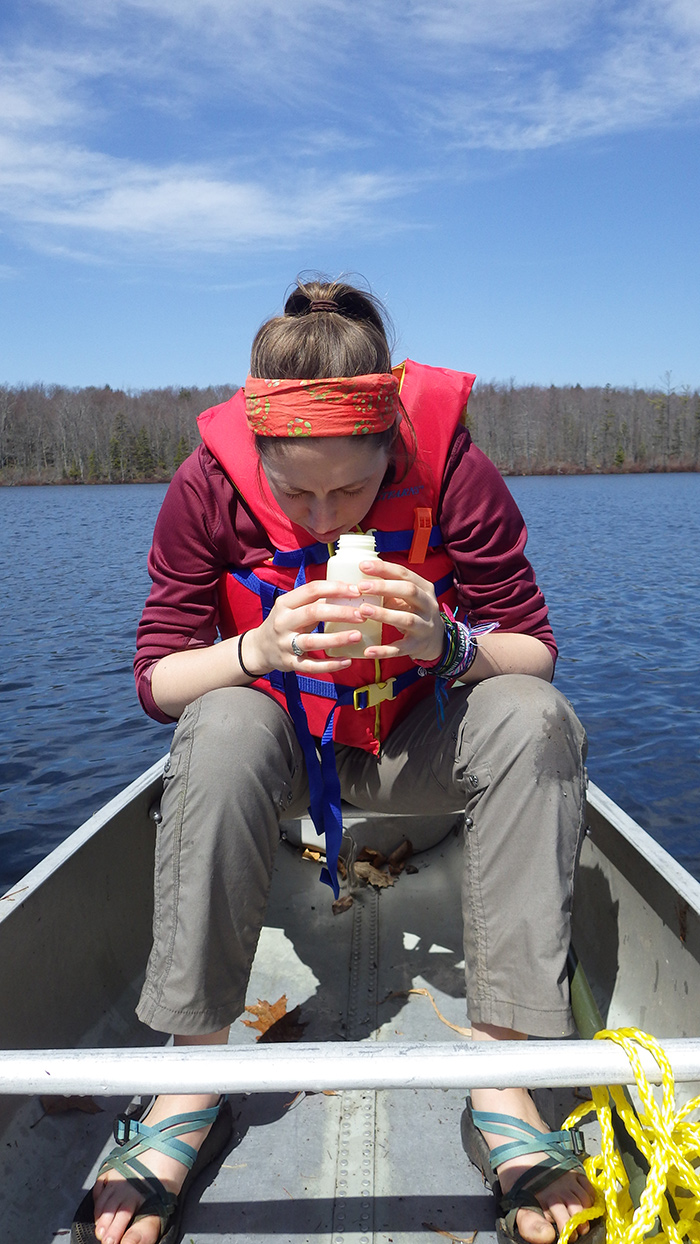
(247, 673)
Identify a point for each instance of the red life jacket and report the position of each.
(373, 695)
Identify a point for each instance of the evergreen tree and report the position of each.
(143, 454)
(182, 451)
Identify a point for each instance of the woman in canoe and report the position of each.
(452, 708)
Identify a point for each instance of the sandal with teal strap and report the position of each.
(134, 1138)
(563, 1152)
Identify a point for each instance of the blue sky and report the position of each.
(517, 179)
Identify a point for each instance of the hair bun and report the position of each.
(351, 340)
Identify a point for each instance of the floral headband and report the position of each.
(339, 406)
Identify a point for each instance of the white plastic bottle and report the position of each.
(344, 567)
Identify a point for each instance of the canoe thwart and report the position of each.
(319, 1066)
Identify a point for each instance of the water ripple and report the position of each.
(73, 578)
(618, 558)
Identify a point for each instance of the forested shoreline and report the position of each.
(55, 435)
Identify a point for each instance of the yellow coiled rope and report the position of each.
(670, 1143)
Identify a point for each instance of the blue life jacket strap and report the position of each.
(324, 784)
(385, 541)
(249, 579)
(401, 541)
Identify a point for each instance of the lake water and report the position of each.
(618, 558)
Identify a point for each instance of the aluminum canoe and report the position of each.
(325, 1151)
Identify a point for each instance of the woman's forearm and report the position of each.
(181, 677)
(510, 653)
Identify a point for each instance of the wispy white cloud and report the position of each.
(682, 15)
(35, 90)
(298, 119)
(532, 72)
(183, 207)
(73, 191)
(505, 25)
(644, 69)
(55, 186)
(314, 142)
(201, 14)
(498, 23)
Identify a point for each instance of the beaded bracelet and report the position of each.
(459, 649)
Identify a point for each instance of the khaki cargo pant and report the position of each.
(510, 754)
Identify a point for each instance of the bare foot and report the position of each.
(116, 1201)
(562, 1199)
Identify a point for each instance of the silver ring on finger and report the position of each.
(298, 652)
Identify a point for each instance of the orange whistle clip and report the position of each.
(422, 527)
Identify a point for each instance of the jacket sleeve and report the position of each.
(485, 535)
(201, 530)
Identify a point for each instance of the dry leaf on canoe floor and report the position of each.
(267, 1014)
(458, 1239)
(367, 872)
(403, 993)
(289, 1028)
(296, 1099)
(368, 855)
(274, 1022)
(396, 862)
(344, 903)
(61, 1105)
(316, 857)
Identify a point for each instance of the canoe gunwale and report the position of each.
(664, 884)
(150, 781)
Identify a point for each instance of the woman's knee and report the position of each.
(238, 725)
(548, 721)
(536, 705)
(232, 745)
(521, 716)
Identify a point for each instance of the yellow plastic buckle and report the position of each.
(375, 692)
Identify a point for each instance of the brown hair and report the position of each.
(306, 344)
(347, 335)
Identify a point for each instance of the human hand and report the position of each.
(293, 617)
(409, 604)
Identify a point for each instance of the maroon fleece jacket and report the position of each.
(204, 527)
